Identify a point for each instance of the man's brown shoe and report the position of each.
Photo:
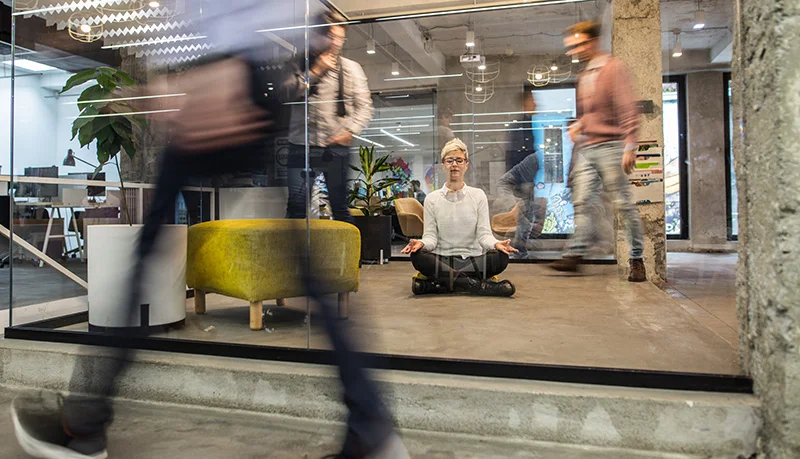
(638, 273)
(567, 264)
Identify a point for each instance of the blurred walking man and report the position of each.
(216, 131)
(608, 120)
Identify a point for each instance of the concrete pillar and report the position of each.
(636, 39)
(144, 166)
(706, 126)
(766, 97)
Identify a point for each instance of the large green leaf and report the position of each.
(130, 149)
(107, 81)
(103, 153)
(125, 79)
(116, 145)
(85, 133)
(105, 135)
(122, 127)
(78, 79)
(100, 124)
(95, 92)
(80, 122)
(105, 70)
(137, 121)
(120, 107)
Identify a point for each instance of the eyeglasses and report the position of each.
(450, 161)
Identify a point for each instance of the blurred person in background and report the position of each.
(608, 121)
(444, 132)
(416, 192)
(339, 106)
(214, 132)
(457, 250)
(520, 139)
(517, 186)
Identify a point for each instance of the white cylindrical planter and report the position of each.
(111, 257)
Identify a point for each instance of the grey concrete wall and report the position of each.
(766, 97)
(635, 22)
(706, 142)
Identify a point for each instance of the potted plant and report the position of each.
(370, 196)
(108, 119)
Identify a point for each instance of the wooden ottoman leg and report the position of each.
(199, 302)
(281, 302)
(344, 304)
(256, 312)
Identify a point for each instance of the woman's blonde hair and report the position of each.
(453, 145)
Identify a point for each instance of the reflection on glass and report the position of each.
(410, 86)
(552, 143)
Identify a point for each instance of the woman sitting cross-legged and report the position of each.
(458, 250)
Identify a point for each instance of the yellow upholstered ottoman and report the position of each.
(258, 260)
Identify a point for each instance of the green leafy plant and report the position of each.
(366, 195)
(103, 119)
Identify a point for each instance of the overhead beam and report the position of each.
(722, 51)
(406, 35)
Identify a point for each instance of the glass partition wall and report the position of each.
(357, 136)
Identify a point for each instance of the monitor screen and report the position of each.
(39, 190)
(97, 190)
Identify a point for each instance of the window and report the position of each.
(730, 170)
(675, 171)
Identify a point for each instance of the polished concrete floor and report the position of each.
(705, 285)
(593, 319)
(33, 285)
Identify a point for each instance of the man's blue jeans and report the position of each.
(603, 160)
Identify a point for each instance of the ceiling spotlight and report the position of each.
(479, 89)
(470, 38)
(395, 68)
(86, 28)
(154, 4)
(538, 76)
(554, 67)
(482, 67)
(575, 60)
(371, 46)
(699, 19)
(678, 50)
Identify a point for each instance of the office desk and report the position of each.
(55, 208)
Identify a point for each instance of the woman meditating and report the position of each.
(458, 251)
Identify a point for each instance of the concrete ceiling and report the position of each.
(423, 45)
(535, 30)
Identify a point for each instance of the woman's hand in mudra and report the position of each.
(505, 247)
(413, 246)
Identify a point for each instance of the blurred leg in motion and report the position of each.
(215, 134)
